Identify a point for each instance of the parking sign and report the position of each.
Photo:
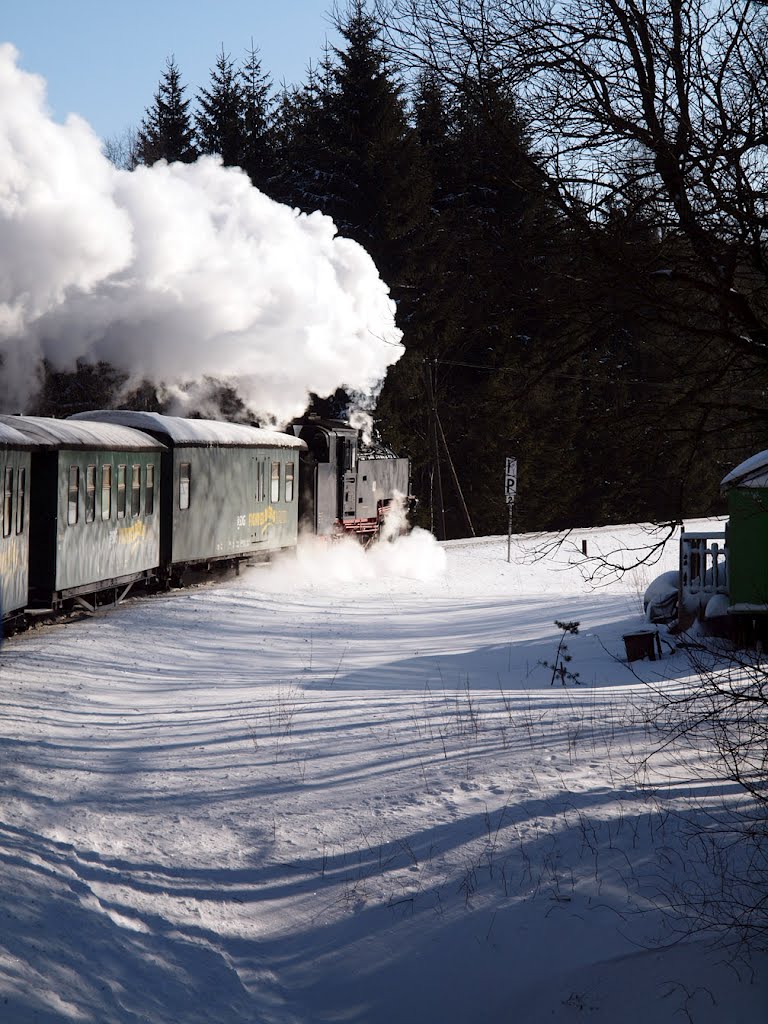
(510, 480)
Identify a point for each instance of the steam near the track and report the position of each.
(318, 561)
(414, 555)
(173, 272)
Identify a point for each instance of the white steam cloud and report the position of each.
(321, 562)
(172, 273)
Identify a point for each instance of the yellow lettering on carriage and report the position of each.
(268, 517)
(131, 534)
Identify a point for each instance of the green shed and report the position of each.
(746, 489)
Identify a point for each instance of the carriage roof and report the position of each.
(46, 432)
(204, 433)
(11, 437)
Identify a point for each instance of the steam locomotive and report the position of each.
(100, 502)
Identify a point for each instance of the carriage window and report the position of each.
(90, 493)
(149, 491)
(106, 492)
(261, 480)
(121, 475)
(185, 476)
(7, 500)
(135, 490)
(21, 498)
(74, 494)
(274, 494)
(289, 481)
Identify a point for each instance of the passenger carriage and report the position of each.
(94, 509)
(95, 503)
(15, 459)
(230, 491)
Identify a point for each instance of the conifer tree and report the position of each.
(302, 131)
(258, 157)
(429, 314)
(481, 316)
(220, 118)
(378, 192)
(349, 150)
(166, 130)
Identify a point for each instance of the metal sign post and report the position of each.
(510, 491)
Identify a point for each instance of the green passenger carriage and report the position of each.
(230, 491)
(95, 503)
(94, 508)
(15, 459)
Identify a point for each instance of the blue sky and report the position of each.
(103, 60)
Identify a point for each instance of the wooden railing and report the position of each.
(703, 567)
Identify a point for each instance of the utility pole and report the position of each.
(455, 476)
(428, 371)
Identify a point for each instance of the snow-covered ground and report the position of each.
(343, 789)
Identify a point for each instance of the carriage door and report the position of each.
(258, 496)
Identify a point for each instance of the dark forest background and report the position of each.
(577, 247)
